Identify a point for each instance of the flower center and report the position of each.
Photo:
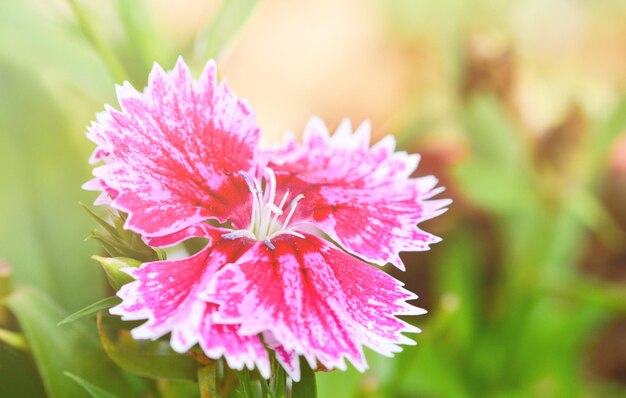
(267, 221)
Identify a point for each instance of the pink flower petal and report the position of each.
(290, 361)
(199, 230)
(315, 300)
(218, 340)
(106, 193)
(173, 152)
(166, 294)
(361, 196)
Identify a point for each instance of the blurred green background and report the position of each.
(519, 107)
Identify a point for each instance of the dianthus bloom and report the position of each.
(291, 230)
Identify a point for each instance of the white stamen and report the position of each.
(239, 234)
(270, 229)
(293, 205)
(264, 220)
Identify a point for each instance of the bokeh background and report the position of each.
(518, 107)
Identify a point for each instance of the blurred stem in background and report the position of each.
(104, 51)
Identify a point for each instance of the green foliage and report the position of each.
(223, 27)
(43, 237)
(94, 391)
(73, 348)
(306, 387)
(120, 242)
(91, 309)
(150, 359)
(510, 316)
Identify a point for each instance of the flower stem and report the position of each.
(207, 379)
(113, 64)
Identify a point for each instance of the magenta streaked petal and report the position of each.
(199, 230)
(361, 196)
(165, 293)
(315, 300)
(290, 361)
(107, 194)
(218, 341)
(174, 151)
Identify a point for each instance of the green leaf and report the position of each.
(592, 213)
(244, 383)
(177, 389)
(101, 46)
(41, 45)
(153, 359)
(111, 230)
(74, 348)
(18, 374)
(94, 391)
(493, 188)
(278, 381)
(493, 135)
(45, 172)
(144, 42)
(306, 387)
(113, 268)
(120, 242)
(459, 281)
(229, 19)
(91, 309)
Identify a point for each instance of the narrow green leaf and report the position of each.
(106, 53)
(74, 348)
(43, 170)
(108, 227)
(91, 309)
(278, 381)
(18, 374)
(113, 268)
(244, 382)
(590, 211)
(41, 45)
(306, 387)
(145, 43)
(494, 136)
(95, 392)
(120, 242)
(493, 188)
(229, 19)
(601, 294)
(153, 359)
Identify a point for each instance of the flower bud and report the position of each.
(113, 268)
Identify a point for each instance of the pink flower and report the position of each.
(184, 152)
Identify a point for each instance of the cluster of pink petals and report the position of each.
(184, 152)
